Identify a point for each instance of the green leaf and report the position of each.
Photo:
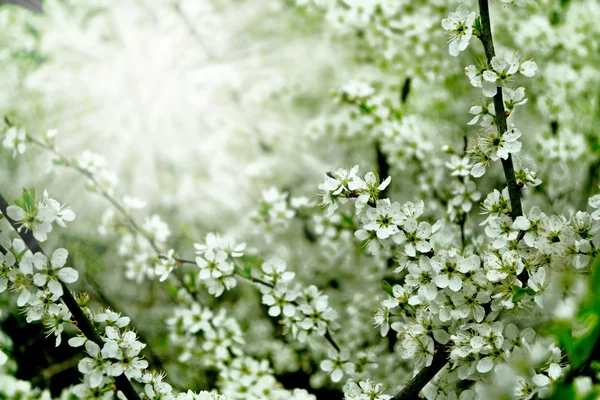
(519, 293)
(250, 259)
(564, 392)
(562, 331)
(246, 272)
(478, 24)
(29, 198)
(586, 340)
(578, 338)
(385, 285)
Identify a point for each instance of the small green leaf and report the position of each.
(244, 273)
(478, 24)
(253, 260)
(562, 332)
(518, 294)
(385, 285)
(248, 269)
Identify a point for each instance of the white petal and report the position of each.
(554, 371)
(521, 223)
(430, 291)
(385, 183)
(337, 375)
(39, 279)
(92, 348)
(46, 214)
(274, 311)
(541, 380)
(23, 298)
(490, 76)
(442, 281)
(67, 215)
(327, 365)
(59, 257)
(96, 378)
(511, 135)
(55, 287)
(77, 341)
(268, 299)
(528, 68)
(485, 365)
(16, 213)
(68, 275)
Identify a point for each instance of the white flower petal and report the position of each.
(59, 257)
(68, 275)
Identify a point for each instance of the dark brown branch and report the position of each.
(412, 389)
(501, 125)
(153, 358)
(83, 323)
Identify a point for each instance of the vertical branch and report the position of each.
(83, 323)
(507, 165)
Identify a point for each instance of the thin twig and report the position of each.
(328, 336)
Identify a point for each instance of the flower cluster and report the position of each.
(365, 390)
(215, 339)
(38, 282)
(247, 378)
(275, 213)
(38, 217)
(459, 26)
(95, 166)
(118, 354)
(140, 246)
(304, 312)
(388, 223)
(468, 292)
(203, 334)
(452, 298)
(15, 140)
(501, 71)
(342, 185)
(215, 259)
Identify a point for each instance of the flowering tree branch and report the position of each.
(416, 384)
(135, 227)
(83, 323)
(259, 281)
(500, 115)
(413, 388)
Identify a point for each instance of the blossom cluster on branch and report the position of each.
(462, 265)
